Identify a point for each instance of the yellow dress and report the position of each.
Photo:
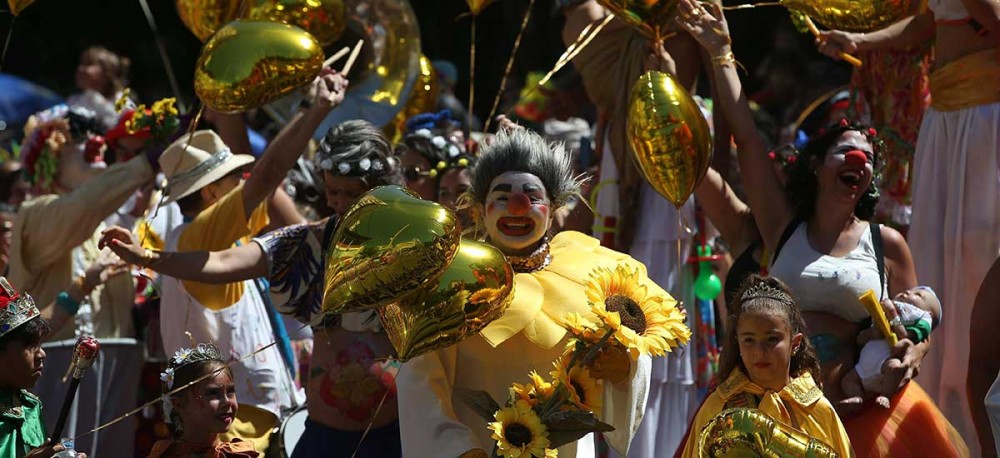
(527, 337)
(812, 411)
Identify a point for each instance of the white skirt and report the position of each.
(954, 239)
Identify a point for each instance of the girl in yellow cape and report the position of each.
(766, 364)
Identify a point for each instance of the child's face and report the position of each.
(766, 346)
(22, 365)
(209, 406)
(923, 299)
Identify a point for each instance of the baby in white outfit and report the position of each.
(918, 312)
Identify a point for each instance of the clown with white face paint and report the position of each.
(517, 185)
(517, 211)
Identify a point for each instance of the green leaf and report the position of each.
(569, 426)
(478, 400)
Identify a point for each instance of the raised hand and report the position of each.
(707, 26)
(124, 244)
(327, 90)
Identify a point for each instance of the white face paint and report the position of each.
(518, 212)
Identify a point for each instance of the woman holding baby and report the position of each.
(818, 240)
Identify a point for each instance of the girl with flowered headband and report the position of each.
(204, 407)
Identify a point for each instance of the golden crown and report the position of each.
(15, 309)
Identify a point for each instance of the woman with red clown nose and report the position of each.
(817, 236)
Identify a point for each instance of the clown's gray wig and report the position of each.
(525, 151)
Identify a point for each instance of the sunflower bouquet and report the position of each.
(548, 412)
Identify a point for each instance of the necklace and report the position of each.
(536, 260)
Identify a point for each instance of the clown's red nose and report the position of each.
(856, 157)
(518, 204)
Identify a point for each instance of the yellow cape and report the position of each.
(544, 297)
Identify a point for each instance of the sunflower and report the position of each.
(485, 295)
(536, 392)
(520, 433)
(641, 321)
(581, 328)
(584, 392)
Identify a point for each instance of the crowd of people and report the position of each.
(197, 251)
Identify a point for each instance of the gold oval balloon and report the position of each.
(423, 98)
(852, 15)
(668, 135)
(323, 19)
(475, 6)
(387, 246)
(651, 17)
(247, 64)
(474, 290)
(743, 432)
(204, 17)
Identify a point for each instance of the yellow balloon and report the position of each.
(423, 98)
(16, 6)
(247, 64)
(668, 135)
(387, 246)
(743, 432)
(852, 15)
(204, 17)
(474, 290)
(475, 6)
(651, 17)
(324, 19)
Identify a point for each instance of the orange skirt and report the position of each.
(911, 427)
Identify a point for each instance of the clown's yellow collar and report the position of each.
(802, 390)
(544, 297)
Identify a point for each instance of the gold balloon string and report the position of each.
(190, 133)
(510, 65)
(582, 40)
(6, 43)
(162, 49)
(472, 79)
(377, 410)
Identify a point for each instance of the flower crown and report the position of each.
(447, 149)
(360, 168)
(48, 131)
(186, 356)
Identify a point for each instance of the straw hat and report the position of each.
(203, 162)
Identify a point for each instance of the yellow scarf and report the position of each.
(802, 392)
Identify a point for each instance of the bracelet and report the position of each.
(725, 59)
(67, 303)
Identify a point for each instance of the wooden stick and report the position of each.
(843, 55)
(336, 56)
(354, 56)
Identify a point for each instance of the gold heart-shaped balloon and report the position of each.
(475, 6)
(651, 17)
(423, 98)
(668, 135)
(204, 17)
(323, 19)
(475, 290)
(742, 432)
(387, 246)
(852, 15)
(247, 64)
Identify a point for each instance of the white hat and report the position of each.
(190, 167)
